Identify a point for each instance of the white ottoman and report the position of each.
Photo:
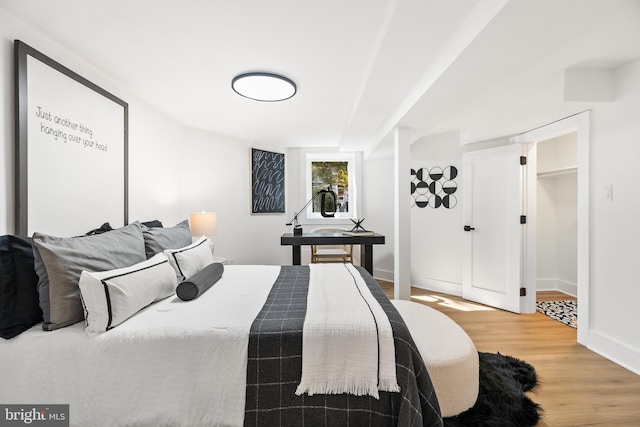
(449, 354)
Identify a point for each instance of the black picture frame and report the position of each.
(71, 142)
(267, 182)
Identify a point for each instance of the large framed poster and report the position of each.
(267, 181)
(71, 149)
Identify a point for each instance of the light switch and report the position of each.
(607, 192)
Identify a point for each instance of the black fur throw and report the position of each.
(501, 399)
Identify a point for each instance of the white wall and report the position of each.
(557, 233)
(216, 177)
(155, 181)
(546, 259)
(567, 236)
(557, 201)
(615, 267)
(557, 154)
(436, 234)
(377, 201)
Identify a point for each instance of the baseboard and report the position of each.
(621, 354)
(437, 285)
(546, 285)
(385, 275)
(423, 283)
(557, 285)
(568, 288)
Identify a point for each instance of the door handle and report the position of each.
(468, 228)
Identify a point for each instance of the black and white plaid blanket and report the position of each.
(275, 367)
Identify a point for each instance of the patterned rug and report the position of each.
(562, 311)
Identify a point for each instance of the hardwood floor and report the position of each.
(577, 387)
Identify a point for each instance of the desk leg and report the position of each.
(296, 254)
(366, 257)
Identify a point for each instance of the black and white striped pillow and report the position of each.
(191, 259)
(111, 297)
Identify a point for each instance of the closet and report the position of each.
(557, 202)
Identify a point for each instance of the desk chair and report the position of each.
(331, 253)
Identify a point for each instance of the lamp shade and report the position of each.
(203, 224)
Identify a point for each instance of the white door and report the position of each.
(493, 238)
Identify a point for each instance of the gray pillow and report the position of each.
(158, 239)
(60, 260)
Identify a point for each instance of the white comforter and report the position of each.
(173, 364)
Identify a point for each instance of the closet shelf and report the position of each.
(558, 172)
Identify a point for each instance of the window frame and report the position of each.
(353, 168)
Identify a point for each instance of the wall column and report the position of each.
(402, 215)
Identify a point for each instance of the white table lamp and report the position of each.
(204, 224)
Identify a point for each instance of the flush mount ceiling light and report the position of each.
(260, 86)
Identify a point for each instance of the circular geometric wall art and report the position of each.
(434, 187)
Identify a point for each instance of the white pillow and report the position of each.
(111, 297)
(191, 259)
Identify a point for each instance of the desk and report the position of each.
(366, 242)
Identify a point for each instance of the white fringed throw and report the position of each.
(347, 341)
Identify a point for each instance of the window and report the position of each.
(335, 172)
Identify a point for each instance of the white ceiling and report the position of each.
(482, 68)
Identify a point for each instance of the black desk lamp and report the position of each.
(297, 228)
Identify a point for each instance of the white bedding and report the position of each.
(199, 345)
(347, 338)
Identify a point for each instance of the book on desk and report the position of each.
(359, 233)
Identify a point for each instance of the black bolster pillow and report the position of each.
(198, 284)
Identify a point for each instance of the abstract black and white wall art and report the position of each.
(267, 182)
(434, 187)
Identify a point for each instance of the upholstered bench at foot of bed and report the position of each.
(449, 354)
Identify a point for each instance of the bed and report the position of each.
(232, 356)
